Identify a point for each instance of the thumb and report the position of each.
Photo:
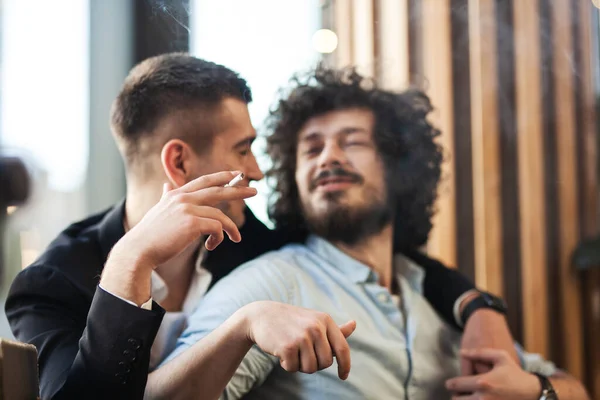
(348, 328)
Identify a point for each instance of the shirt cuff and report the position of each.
(146, 306)
(456, 309)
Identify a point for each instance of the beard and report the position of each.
(348, 224)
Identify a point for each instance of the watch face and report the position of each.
(494, 302)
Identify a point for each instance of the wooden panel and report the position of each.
(511, 233)
(587, 119)
(342, 11)
(531, 175)
(363, 36)
(437, 59)
(461, 98)
(485, 146)
(392, 25)
(566, 147)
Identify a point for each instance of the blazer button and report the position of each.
(129, 356)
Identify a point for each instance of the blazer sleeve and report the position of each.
(96, 348)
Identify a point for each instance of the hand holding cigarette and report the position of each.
(181, 217)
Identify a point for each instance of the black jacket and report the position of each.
(94, 346)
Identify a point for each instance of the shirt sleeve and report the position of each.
(535, 363)
(146, 306)
(256, 281)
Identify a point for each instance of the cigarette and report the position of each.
(236, 180)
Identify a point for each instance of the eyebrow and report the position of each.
(247, 141)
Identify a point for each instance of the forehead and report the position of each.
(339, 122)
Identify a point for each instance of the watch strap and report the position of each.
(484, 300)
(548, 392)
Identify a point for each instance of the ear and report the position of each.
(177, 158)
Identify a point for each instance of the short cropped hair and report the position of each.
(404, 138)
(161, 85)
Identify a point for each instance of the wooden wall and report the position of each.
(513, 86)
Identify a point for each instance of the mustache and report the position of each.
(336, 172)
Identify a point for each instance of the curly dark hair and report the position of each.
(403, 137)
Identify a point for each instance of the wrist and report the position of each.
(242, 322)
(127, 275)
(481, 301)
(469, 298)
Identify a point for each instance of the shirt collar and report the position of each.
(159, 287)
(354, 269)
(361, 273)
(406, 268)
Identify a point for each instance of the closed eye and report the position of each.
(358, 143)
(312, 151)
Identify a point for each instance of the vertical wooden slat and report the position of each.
(511, 234)
(392, 28)
(486, 146)
(590, 194)
(363, 37)
(344, 54)
(531, 175)
(588, 131)
(566, 148)
(437, 61)
(461, 78)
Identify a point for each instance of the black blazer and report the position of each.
(94, 346)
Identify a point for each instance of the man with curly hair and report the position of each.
(357, 170)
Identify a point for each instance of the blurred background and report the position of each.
(515, 85)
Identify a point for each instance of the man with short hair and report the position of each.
(107, 300)
(356, 166)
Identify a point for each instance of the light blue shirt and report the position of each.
(399, 351)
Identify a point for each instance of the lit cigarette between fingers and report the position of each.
(236, 180)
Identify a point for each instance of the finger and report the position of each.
(481, 368)
(490, 356)
(214, 240)
(226, 224)
(290, 359)
(323, 351)
(466, 367)
(464, 384)
(348, 328)
(206, 181)
(308, 358)
(340, 348)
(214, 195)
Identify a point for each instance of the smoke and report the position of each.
(179, 11)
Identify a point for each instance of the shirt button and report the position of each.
(382, 297)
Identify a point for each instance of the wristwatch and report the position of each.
(548, 392)
(484, 300)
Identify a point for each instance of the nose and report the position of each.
(252, 169)
(332, 154)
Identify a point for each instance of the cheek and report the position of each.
(302, 177)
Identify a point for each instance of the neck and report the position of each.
(177, 272)
(377, 252)
(140, 199)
